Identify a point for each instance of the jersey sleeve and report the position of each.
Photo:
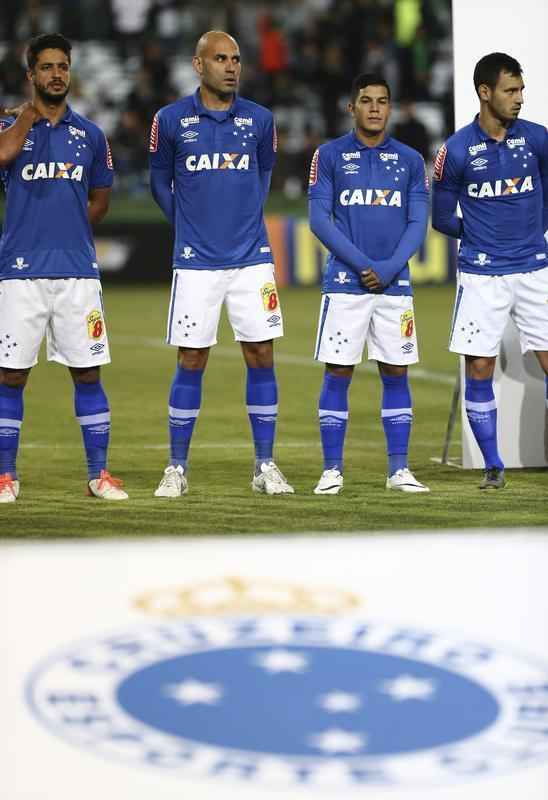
(419, 186)
(102, 168)
(320, 181)
(161, 150)
(267, 147)
(543, 169)
(446, 170)
(445, 193)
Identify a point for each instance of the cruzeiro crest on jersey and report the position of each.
(284, 701)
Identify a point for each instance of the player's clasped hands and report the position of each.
(370, 280)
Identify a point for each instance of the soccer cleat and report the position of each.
(493, 479)
(270, 480)
(403, 480)
(173, 484)
(9, 488)
(331, 482)
(105, 487)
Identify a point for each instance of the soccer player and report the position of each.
(57, 170)
(368, 201)
(211, 158)
(496, 169)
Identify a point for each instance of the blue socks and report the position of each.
(185, 400)
(262, 408)
(11, 417)
(481, 409)
(93, 414)
(397, 417)
(333, 414)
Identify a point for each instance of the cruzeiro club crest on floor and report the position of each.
(298, 701)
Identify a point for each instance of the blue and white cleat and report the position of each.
(270, 480)
(403, 480)
(331, 482)
(173, 483)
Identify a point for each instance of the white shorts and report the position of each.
(68, 310)
(385, 322)
(197, 296)
(484, 303)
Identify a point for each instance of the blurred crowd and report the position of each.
(299, 57)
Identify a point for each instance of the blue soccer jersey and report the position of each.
(217, 162)
(502, 190)
(46, 230)
(377, 198)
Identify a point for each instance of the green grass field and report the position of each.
(51, 463)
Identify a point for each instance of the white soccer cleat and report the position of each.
(404, 481)
(9, 488)
(105, 487)
(331, 482)
(173, 484)
(271, 481)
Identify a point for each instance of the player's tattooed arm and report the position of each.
(13, 138)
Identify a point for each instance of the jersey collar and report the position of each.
(202, 111)
(386, 142)
(67, 118)
(485, 136)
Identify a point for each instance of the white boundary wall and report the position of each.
(519, 29)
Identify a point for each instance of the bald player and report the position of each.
(211, 158)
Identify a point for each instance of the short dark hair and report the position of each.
(367, 79)
(488, 69)
(46, 41)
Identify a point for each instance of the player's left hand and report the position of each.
(370, 280)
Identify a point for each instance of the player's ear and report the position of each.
(350, 107)
(484, 91)
(197, 64)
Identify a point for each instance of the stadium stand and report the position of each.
(133, 56)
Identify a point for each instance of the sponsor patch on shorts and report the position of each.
(95, 324)
(407, 324)
(269, 296)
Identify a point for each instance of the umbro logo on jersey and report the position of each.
(217, 161)
(389, 156)
(370, 197)
(77, 132)
(188, 252)
(479, 163)
(20, 263)
(190, 136)
(474, 149)
(186, 121)
(53, 169)
(349, 156)
(519, 142)
(501, 187)
(351, 168)
(29, 144)
(342, 278)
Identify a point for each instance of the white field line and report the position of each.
(356, 446)
(287, 358)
